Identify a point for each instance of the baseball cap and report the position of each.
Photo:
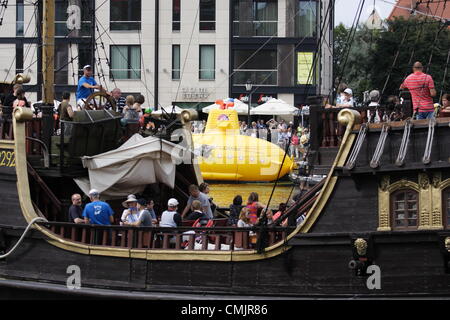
(348, 91)
(172, 202)
(88, 66)
(94, 192)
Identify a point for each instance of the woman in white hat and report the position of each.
(130, 214)
(347, 101)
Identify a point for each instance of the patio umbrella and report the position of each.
(275, 107)
(239, 106)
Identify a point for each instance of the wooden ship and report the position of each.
(383, 208)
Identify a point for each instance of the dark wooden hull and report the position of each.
(412, 264)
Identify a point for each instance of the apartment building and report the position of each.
(178, 52)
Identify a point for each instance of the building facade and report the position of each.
(184, 52)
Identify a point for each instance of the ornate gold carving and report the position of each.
(403, 184)
(424, 219)
(384, 184)
(437, 177)
(424, 181)
(361, 246)
(23, 114)
(447, 243)
(436, 219)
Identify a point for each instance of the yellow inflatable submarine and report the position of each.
(225, 154)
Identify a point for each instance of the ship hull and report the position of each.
(315, 266)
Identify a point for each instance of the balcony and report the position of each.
(258, 77)
(257, 28)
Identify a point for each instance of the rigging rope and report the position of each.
(37, 219)
(351, 36)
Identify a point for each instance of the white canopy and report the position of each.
(239, 106)
(130, 168)
(275, 107)
(176, 110)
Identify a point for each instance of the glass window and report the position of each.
(404, 210)
(207, 62)
(125, 15)
(261, 17)
(306, 19)
(126, 62)
(19, 58)
(176, 15)
(176, 62)
(19, 18)
(207, 14)
(259, 67)
(84, 57)
(61, 66)
(305, 62)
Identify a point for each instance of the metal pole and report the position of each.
(249, 107)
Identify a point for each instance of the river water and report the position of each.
(223, 193)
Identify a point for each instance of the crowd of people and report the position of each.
(199, 211)
(285, 135)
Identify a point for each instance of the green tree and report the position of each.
(427, 41)
(372, 54)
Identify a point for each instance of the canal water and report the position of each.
(223, 193)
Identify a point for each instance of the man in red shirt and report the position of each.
(421, 87)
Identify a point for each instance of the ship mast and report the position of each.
(48, 71)
(48, 51)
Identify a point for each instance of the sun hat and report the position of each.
(172, 202)
(130, 198)
(348, 91)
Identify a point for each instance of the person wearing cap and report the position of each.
(86, 86)
(170, 217)
(346, 100)
(421, 87)
(98, 212)
(131, 213)
(144, 217)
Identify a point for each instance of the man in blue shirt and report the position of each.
(86, 86)
(98, 212)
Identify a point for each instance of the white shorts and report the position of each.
(81, 103)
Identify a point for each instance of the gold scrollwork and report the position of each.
(447, 243)
(437, 177)
(361, 246)
(384, 184)
(424, 181)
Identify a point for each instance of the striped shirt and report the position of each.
(120, 104)
(419, 85)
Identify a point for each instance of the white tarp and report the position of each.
(239, 106)
(275, 107)
(130, 168)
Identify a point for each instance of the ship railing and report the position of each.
(152, 238)
(302, 205)
(326, 132)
